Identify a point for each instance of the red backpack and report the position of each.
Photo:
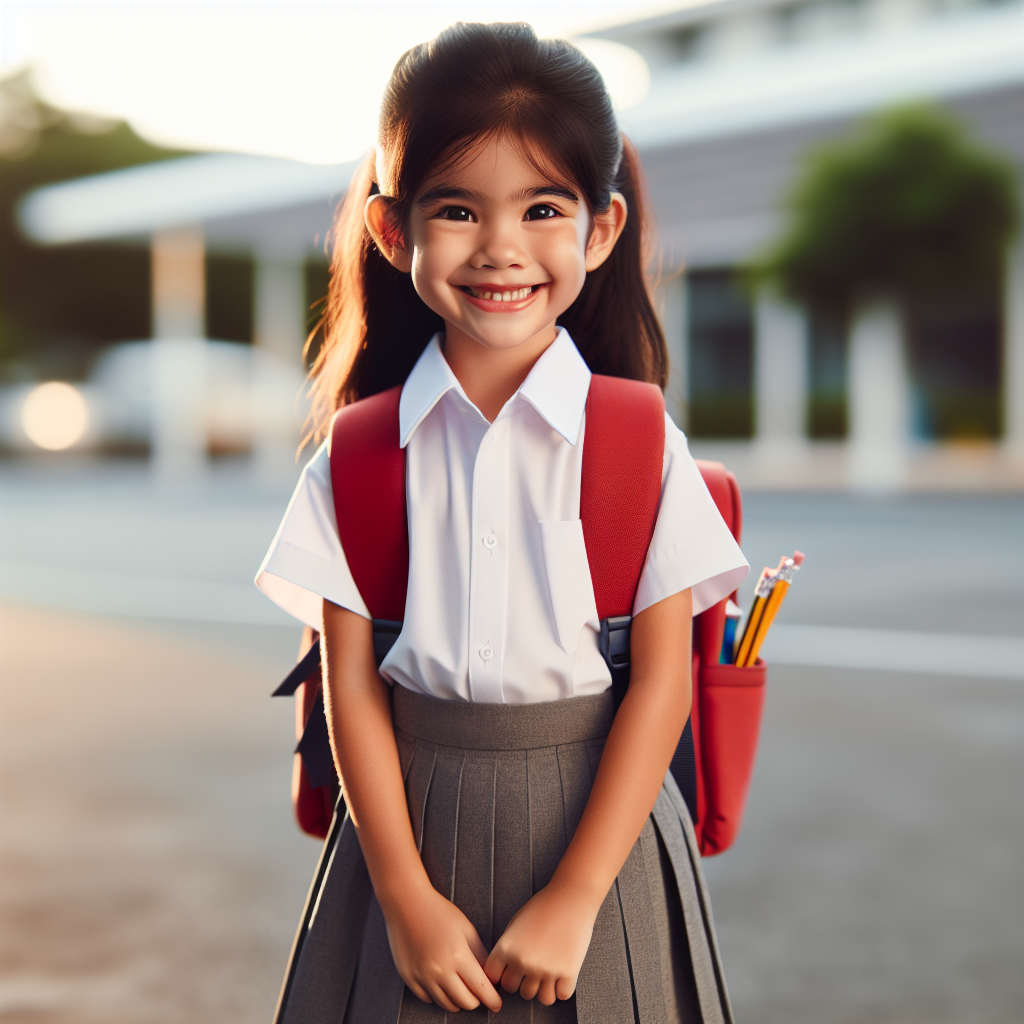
(620, 494)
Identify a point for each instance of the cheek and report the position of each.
(568, 262)
(432, 260)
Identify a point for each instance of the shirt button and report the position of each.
(490, 542)
(487, 652)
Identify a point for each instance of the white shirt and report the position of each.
(500, 604)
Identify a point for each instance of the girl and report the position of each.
(499, 853)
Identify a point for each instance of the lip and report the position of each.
(490, 306)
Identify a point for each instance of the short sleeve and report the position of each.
(692, 547)
(306, 562)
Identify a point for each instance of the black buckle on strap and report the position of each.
(613, 643)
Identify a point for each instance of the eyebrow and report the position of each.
(449, 192)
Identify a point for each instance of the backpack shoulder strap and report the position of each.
(725, 492)
(623, 453)
(368, 472)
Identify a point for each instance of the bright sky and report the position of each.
(298, 79)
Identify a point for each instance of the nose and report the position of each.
(499, 246)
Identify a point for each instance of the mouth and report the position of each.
(497, 296)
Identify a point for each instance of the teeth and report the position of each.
(513, 295)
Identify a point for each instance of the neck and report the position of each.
(491, 376)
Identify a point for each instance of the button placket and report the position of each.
(489, 564)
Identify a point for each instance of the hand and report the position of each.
(438, 952)
(542, 950)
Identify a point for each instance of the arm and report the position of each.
(543, 947)
(436, 950)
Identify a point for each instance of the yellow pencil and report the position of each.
(771, 609)
(788, 567)
(761, 592)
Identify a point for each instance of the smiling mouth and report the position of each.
(505, 295)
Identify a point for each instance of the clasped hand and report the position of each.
(440, 956)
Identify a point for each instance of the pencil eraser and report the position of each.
(798, 557)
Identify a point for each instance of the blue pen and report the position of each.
(733, 612)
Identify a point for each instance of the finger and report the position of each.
(439, 996)
(456, 990)
(546, 992)
(511, 979)
(565, 987)
(479, 984)
(529, 987)
(418, 990)
(495, 966)
(478, 948)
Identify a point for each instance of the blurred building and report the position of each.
(276, 213)
(740, 91)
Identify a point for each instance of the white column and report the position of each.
(780, 381)
(1013, 357)
(675, 324)
(178, 267)
(280, 307)
(879, 400)
(279, 334)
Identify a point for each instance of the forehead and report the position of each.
(497, 166)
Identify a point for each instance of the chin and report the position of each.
(505, 338)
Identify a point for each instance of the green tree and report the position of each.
(907, 208)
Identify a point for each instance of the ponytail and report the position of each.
(375, 325)
(612, 320)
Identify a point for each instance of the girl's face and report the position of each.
(496, 247)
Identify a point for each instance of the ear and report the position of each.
(605, 232)
(378, 214)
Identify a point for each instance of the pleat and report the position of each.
(330, 948)
(378, 989)
(574, 780)
(417, 788)
(512, 876)
(641, 933)
(677, 801)
(406, 751)
(474, 856)
(680, 993)
(547, 815)
(440, 820)
(673, 827)
(604, 992)
(594, 751)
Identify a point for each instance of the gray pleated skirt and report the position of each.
(495, 793)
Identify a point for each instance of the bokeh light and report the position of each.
(55, 416)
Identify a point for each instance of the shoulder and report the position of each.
(318, 469)
(371, 422)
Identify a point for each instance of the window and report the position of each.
(721, 360)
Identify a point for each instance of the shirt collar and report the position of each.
(556, 387)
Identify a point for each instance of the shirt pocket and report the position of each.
(570, 588)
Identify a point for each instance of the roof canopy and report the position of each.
(243, 202)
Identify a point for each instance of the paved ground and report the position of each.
(150, 871)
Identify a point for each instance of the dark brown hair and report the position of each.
(476, 81)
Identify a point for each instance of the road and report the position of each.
(150, 870)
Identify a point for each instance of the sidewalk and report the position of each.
(822, 466)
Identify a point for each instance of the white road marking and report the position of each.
(107, 593)
(959, 654)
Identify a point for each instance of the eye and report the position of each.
(542, 211)
(455, 213)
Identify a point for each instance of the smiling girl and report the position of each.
(512, 842)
